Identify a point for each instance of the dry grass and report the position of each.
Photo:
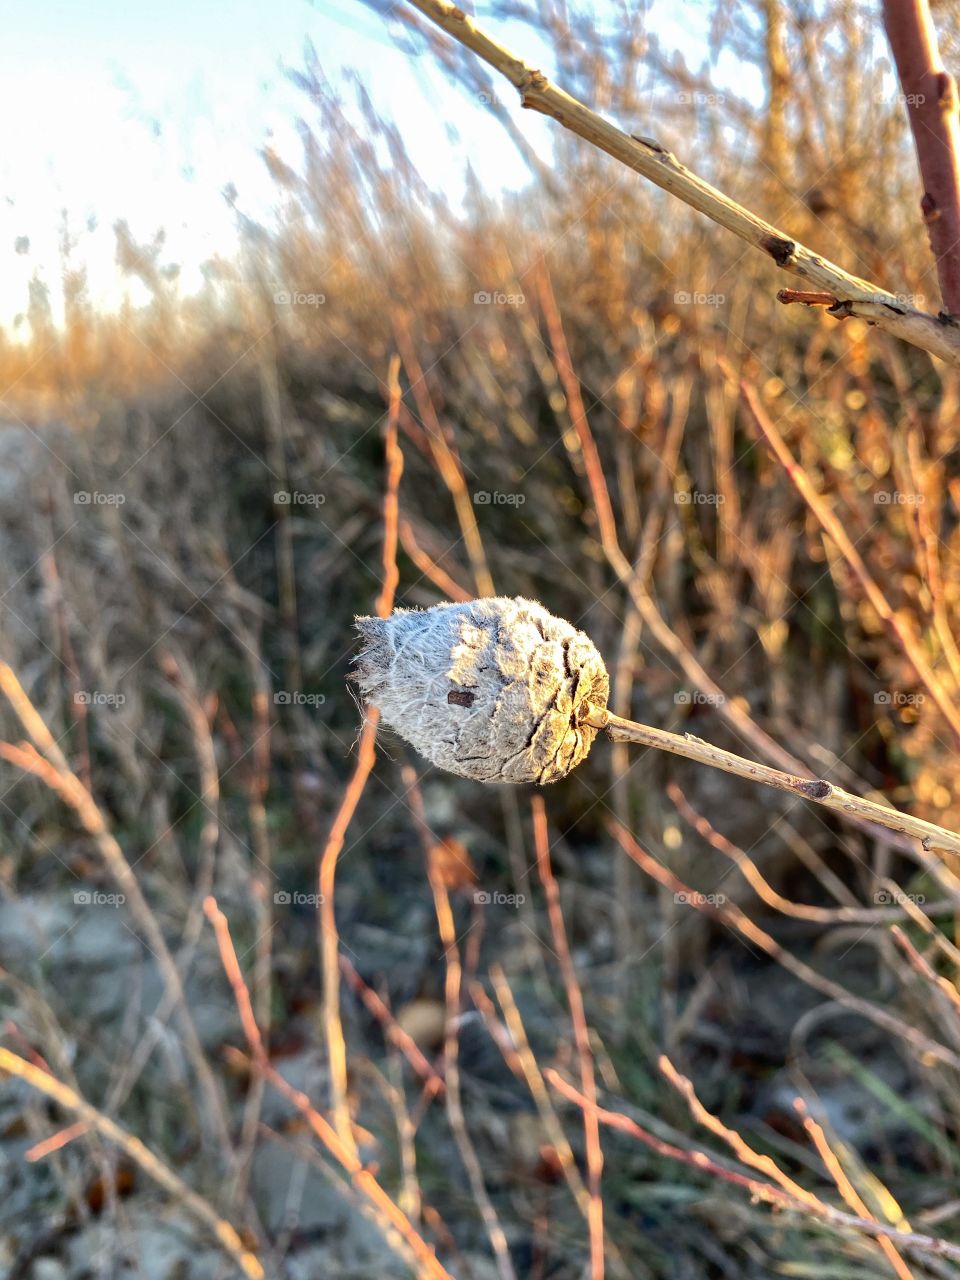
(754, 512)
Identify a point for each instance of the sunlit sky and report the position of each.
(148, 112)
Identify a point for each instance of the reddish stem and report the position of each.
(930, 93)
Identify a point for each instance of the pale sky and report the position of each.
(147, 113)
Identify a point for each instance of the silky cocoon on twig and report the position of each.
(489, 689)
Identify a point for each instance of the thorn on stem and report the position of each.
(780, 250)
(816, 789)
(946, 92)
(929, 208)
(651, 143)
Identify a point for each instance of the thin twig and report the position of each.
(451, 1071)
(806, 297)
(776, 1195)
(152, 1166)
(765, 890)
(943, 987)
(788, 1192)
(581, 1034)
(730, 709)
(46, 761)
(834, 529)
(528, 1067)
(734, 918)
(695, 1159)
(446, 927)
(429, 567)
(257, 786)
(816, 789)
(366, 758)
(391, 501)
(390, 1215)
(447, 462)
(741, 1149)
(846, 1187)
(392, 1030)
(271, 403)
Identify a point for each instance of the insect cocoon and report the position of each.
(489, 689)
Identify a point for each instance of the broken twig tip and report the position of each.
(807, 297)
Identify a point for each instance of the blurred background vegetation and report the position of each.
(191, 517)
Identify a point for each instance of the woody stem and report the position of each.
(815, 789)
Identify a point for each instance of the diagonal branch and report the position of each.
(230, 1240)
(939, 335)
(930, 93)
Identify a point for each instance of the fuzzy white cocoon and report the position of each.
(489, 689)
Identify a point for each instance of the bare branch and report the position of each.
(939, 335)
(930, 93)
